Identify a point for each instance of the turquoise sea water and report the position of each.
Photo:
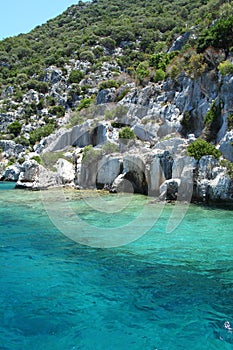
(164, 291)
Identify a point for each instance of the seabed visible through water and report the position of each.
(165, 290)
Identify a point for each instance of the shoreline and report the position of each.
(226, 205)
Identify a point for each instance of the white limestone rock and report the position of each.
(226, 146)
(65, 172)
(35, 177)
(144, 133)
(109, 167)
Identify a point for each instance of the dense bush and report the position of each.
(142, 29)
(220, 35)
(159, 75)
(212, 113)
(126, 133)
(229, 167)
(15, 128)
(87, 56)
(75, 76)
(39, 86)
(37, 134)
(22, 140)
(212, 121)
(85, 103)
(142, 70)
(108, 43)
(200, 148)
(225, 68)
(59, 111)
(107, 84)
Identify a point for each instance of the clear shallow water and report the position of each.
(164, 291)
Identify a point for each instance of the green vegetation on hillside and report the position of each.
(103, 44)
(200, 148)
(92, 30)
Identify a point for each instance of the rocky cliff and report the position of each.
(97, 124)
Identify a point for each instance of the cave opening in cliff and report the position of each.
(97, 135)
(138, 181)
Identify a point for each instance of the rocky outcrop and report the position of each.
(109, 167)
(11, 173)
(226, 146)
(65, 172)
(211, 182)
(34, 176)
(88, 133)
(106, 96)
(169, 190)
(180, 42)
(156, 163)
(11, 149)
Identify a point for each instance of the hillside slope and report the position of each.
(148, 71)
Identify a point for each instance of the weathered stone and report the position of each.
(80, 136)
(10, 148)
(109, 167)
(31, 96)
(65, 172)
(11, 173)
(143, 133)
(206, 166)
(106, 96)
(181, 165)
(180, 42)
(35, 177)
(211, 183)
(169, 190)
(155, 176)
(134, 171)
(53, 75)
(226, 146)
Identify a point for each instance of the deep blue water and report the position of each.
(164, 291)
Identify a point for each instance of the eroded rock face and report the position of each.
(11, 173)
(106, 96)
(88, 133)
(65, 172)
(109, 167)
(226, 146)
(144, 133)
(169, 190)
(211, 182)
(35, 177)
(10, 148)
(154, 113)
